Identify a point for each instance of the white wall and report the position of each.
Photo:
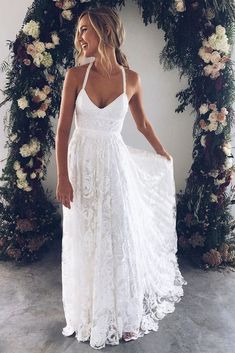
(142, 47)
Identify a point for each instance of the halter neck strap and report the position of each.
(86, 75)
(124, 79)
(88, 70)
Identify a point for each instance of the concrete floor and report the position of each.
(32, 313)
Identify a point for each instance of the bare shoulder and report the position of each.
(77, 71)
(76, 74)
(133, 80)
(132, 75)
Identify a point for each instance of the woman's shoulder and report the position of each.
(130, 71)
(77, 74)
(132, 76)
(77, 70)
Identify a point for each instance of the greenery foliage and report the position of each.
(198, 40)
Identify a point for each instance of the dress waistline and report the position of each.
(96, 132)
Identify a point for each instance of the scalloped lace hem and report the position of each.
(155, 309)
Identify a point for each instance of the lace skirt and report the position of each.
(119, 265)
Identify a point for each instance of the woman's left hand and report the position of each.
(164, 153)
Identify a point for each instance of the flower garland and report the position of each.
(43, 50)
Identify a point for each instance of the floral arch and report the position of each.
(198, 41)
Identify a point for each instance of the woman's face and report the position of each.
(87, 37)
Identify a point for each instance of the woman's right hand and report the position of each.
(165, 154)
(64, 191)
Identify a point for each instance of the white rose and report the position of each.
(221, 65)
(68, 4)
(216, 66)
(24, 150)
(46, 89)
(40, 113)
(206, 57)
(31, 28)
(22, 102)
(42, 95)
(224, 111)
(31, 50)
(35, 144)
(228, 163)
(222, 45)
(16, 165)
(48, 101)
(39, 46)
(38, 59)
(215, 57)
(212, 40)
(201, 52)
(24, 182)
(33, 175)
(28, 188)
(218, 42)
(180, 6)
(21, 184)
(30, 149)
(227, 148)
(55, 39)
(214, 198)
(20, 174)
(213, 126)
(203, 108)
(213, 116)
(208, 69)
(34, 114)
(215, 74)
(67, 14)
(220, 30)
(225, 48)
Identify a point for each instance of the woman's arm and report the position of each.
(141, 120)
(67, 105)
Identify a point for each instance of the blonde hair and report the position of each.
(100, 18)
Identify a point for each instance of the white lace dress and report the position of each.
(119, 266)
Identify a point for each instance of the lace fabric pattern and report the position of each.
(119, 265)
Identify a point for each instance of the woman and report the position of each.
(120, 274)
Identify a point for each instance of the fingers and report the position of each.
(64, 195)
(65, 200)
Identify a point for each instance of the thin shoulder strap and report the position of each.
(86, 75)
(124, 79)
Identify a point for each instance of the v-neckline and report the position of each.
(120, 95)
